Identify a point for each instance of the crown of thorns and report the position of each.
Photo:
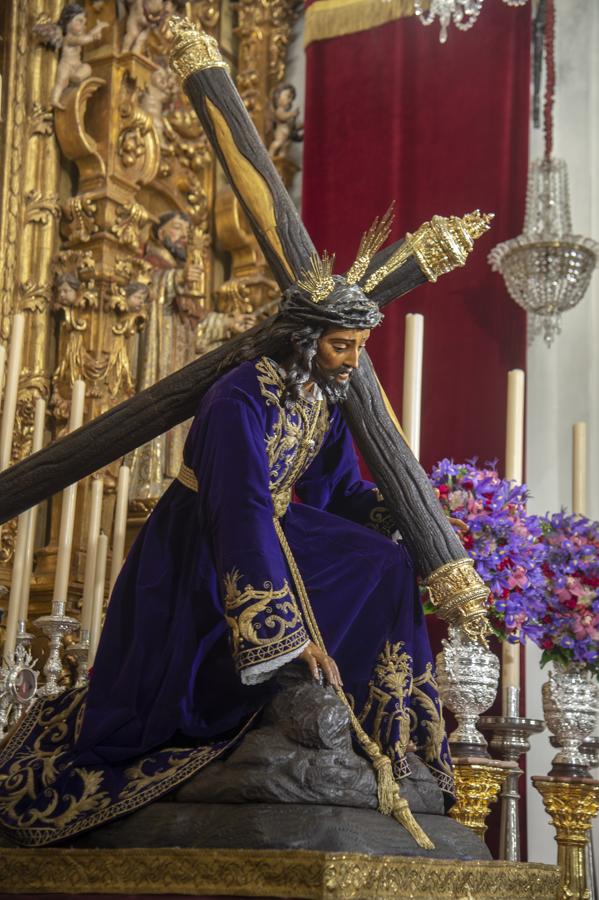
(317, 279)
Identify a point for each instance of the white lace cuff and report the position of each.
(263, 671)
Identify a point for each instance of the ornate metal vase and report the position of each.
(468, 677)
(571, 707)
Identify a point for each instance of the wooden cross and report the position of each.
(437, 247)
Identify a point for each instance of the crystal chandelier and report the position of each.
(547, 269)
(463, 13)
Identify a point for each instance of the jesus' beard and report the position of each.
(326, 379)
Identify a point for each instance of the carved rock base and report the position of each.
(281, 826)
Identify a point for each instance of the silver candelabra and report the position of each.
(56, 626)
(509, 740)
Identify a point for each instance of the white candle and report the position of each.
(15, 587)
(98, 607)
(120, 523)
(15, 354)
(67, 513)
(579, 468)
(93, 533)
(514, 458)
(412, 380)
(514, 442)
(2, 364)
(77, 402)
(39, 423)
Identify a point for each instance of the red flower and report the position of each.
(570, 603)
(547, 644)
(443, 490)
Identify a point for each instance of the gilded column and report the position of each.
(30, 213)
(39, 237)
(572, 804)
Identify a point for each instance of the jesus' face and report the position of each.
(337, 356)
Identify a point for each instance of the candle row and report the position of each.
(97, 549)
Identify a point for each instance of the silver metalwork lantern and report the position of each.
(547, 269)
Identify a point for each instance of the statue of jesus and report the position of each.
(268, 547)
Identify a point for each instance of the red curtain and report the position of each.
(442, 129)
(391, 114)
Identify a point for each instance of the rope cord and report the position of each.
(389, 800)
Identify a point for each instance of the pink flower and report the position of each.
(458, 500)
(517, 578)
(586, 626)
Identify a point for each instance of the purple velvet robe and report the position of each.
(206, 609)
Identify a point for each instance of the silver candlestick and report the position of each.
(56, 626)
(509, 740)
(23, 637)
(80, 651)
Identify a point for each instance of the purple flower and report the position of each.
(502, 540)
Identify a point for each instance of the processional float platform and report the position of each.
(269, 873)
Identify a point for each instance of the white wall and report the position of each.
(563, 381)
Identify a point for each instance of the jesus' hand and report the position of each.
(316, 658)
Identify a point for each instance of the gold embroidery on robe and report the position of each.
(297, 434)
(430, 715)
(388, 692)
(274, 609)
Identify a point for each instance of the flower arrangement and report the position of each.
(566, 627)
(501, 538)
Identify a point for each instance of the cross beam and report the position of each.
(435, 248)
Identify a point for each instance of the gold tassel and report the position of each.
(390, 803)
(386, 786)
(403, 814)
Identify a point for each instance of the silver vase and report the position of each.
(468, 677)
(571, 707)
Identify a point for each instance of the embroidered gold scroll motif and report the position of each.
(36, 811)
(296, 437)
(389, 690)
(429, 713)
(261, 630)
(381, 520)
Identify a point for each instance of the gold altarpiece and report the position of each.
(84, 184)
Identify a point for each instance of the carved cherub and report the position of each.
(136, 295)
(286, 126)
(69, 36)
(142, 16)
(159, 93)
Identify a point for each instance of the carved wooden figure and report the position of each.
(69, 35)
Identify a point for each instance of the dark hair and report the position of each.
(68, 278)
(293, 334)
(166, 217)
(68, 14)
(135, 286)
(286, 86)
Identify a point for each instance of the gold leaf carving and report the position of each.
(284, 873)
